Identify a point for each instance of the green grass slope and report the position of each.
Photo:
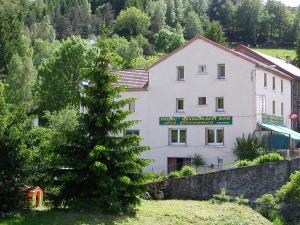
(177, 212)
(277, 52)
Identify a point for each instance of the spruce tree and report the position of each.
(104, 164)
(14, 167)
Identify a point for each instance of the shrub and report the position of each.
(152, 177)
(223, 197)
(290, 192)
(197, 161)
(266, 205)
(186, 171)
(242, 163)
(174, 174)
(248, 148)
(270, 157)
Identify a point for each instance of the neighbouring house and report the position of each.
(199, 98)
(284, 66)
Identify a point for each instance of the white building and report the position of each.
(199, 98)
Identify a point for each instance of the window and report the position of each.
(202, 69)
(221, 71)
(179, 105)
(202, 101)
(282, 109)
(214, 136)
(131, 106)
(273, 83)
(177, 136)
(274, 107)
(265, 80)
(180, 73)
(281, 85)
(261, 104)
(219, 104)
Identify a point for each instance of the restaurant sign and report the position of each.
(273, 120)
(196, 120)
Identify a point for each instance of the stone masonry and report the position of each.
(252, 181)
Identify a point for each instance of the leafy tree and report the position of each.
(247, 20)
(106, 170)
(43, 50)
(197, 162)
(122, 51)
(281, 18)
(298, 51)
(59, 76)
(215, 33)
(132, 22)
(14, 127)
(193, 25)
(43, 30)
(20, 79)
(142, 62)
(200, 7)
(179, 11)
(222, 11)
(168, 40)
(170, 13)
(63, 27)
(157, 12)
(12, 16)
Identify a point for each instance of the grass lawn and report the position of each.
(277, 52)
(177, 212)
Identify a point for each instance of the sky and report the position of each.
(291, 2)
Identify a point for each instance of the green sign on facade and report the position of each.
(271, 119)
(196, 120)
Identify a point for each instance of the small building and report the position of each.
(199, 98)
(35, 195)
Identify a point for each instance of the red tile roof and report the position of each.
(133, 79)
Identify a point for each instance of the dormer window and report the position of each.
(180, 73)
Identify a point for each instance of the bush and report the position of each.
(197, 161)
(290, 192)
(223, 197)
(270, 157)
(266, 205)
(248, 148)
(242, 163)
(174, 174)
(186, 171)
(152, 177)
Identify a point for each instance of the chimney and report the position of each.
(288, 59)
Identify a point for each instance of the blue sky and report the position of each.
(291, 2)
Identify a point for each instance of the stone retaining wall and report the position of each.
(252, 181)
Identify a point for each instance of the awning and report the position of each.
(281, 130)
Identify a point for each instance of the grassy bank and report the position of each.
(149, 213)
(278, 52)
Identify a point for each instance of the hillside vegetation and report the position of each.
(278, 52)
(152, 212)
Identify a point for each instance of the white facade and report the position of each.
(242, 91)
